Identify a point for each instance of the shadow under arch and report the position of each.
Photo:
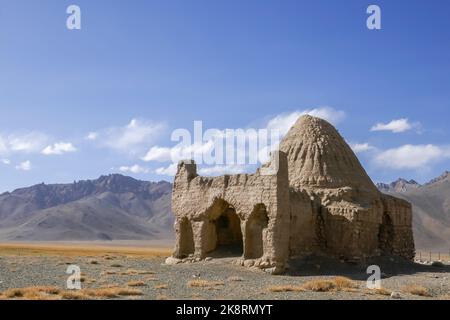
(224, 235)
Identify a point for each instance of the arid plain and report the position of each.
(136, 270)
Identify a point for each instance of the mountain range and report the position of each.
(431, 209)
(110, 207)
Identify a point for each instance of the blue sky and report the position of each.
(138, 70)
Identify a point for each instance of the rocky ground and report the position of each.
(133, 277)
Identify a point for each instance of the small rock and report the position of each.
(197, 275)
(172, 261)
(396, 295)
(249, 263)
(274, 270)
(208, 259)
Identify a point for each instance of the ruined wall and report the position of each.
(397, 220)
(260, 201)
(304, 239)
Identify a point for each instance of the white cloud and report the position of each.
(157, 153)
(396, 126)
(92, 136)
(59, 148)
(6, 161)
(411, 156)
(283, 122)
(24, 142)
(170, 170)
(361, 147)
(134, 169)
(203, 150)
(24, 166)
(130, 138)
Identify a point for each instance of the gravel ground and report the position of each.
(171, 281)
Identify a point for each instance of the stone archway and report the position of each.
(186, 242)
(255, 230)
(224, 230)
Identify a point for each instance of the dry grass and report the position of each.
(116, 265)
(72, 250)
(161, 286)
(134, 272)
(417, 290)
(235, 278)
(74, 295)
(199, 283)
(320, 285)
(342, 283)
(285, 288)
(162, 297)
(136, 284)
(32, 293)
(335, 284)
(54, 293)
(380, 291)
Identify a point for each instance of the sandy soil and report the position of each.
(139, 272)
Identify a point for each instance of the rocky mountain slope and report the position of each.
(431, 209)
(111, 207)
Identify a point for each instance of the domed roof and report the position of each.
(318, 157)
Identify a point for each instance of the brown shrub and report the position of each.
(344, 283)
(320, 285)
(136, 284)
(161, 286)
(417, 290)
(199, 283)
(285, 288)
(32, 293)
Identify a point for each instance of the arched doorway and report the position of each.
(186, 242)
(255, 229)
(224, 230)
(386, 235)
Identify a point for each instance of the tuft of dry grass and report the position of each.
(74, 295)
(320, 285)
(235, 278)
(162, 297)
(116, 265)
(417, 290)
(54, 293)
(161, 286)
(344, 283)
(380, 291)
(200, 283)
(134, 272)
(32, 293)
(108, 272)
(136, 284)
(285, 288)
